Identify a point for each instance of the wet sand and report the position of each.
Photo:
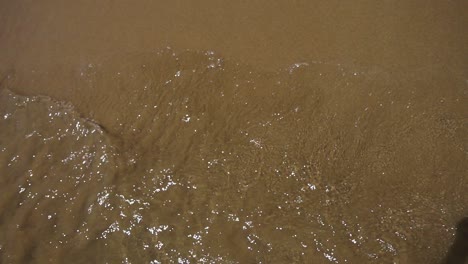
(232, 132)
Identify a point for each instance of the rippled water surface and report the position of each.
(191, 156)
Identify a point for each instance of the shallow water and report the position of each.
(187, 155)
